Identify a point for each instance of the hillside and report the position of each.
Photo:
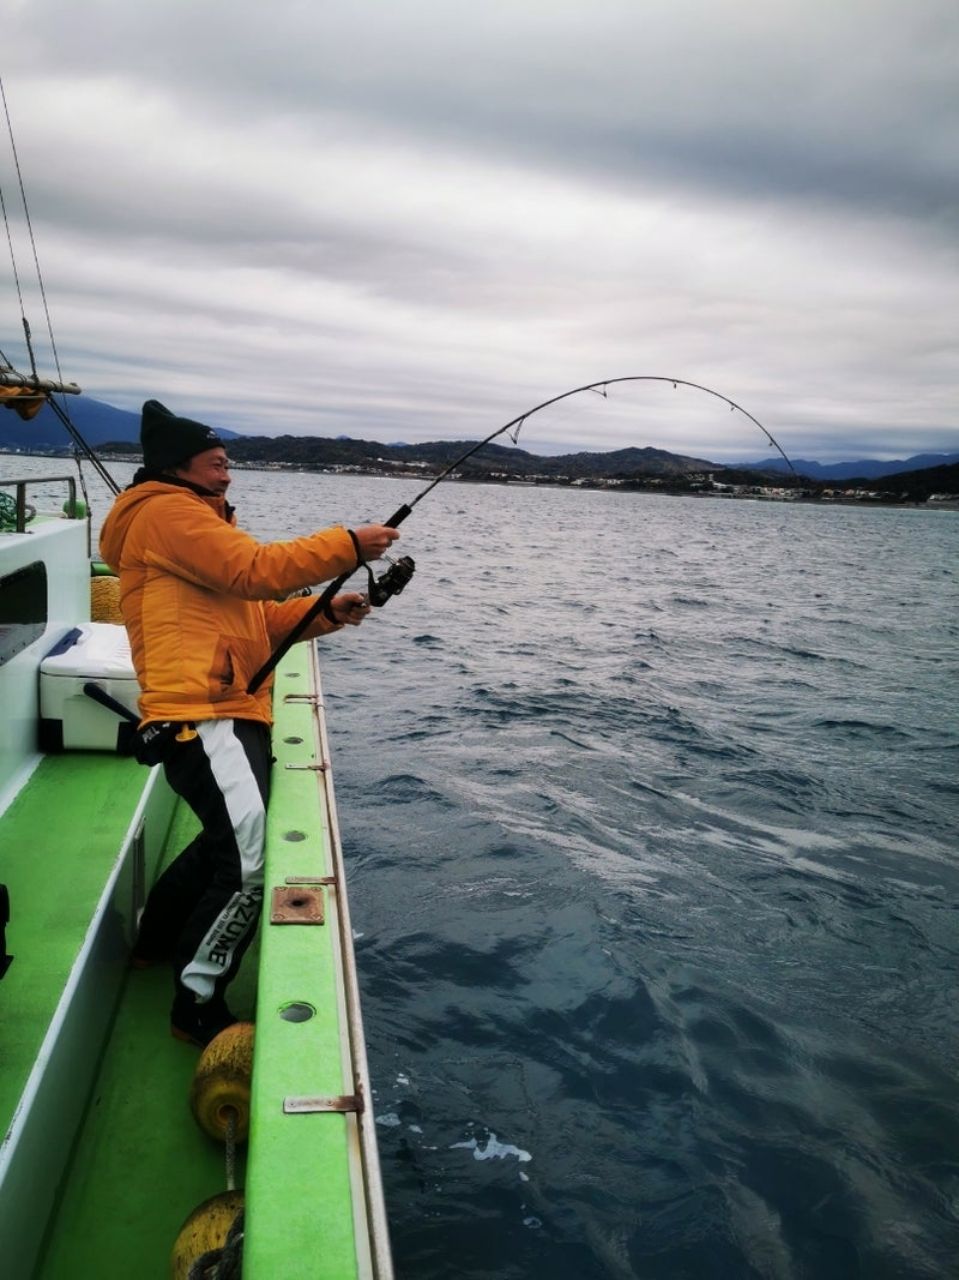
(491, 460)
(918, 486)
(116, 431)
(866, 469)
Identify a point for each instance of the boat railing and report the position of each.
(372, 1177)
(23, 507)
(20, 512)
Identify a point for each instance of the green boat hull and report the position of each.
(102, 1160)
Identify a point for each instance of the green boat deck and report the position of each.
(140, 1164)
(60, 839)
(114, 1191)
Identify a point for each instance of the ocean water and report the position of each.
(649, 808)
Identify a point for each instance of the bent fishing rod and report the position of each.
(395, 579)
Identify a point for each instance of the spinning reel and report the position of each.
(390, 583)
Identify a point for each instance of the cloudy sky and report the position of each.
(415, 219)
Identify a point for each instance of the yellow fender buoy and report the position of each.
(206, 1228)
(105, 599)
(222, 1081)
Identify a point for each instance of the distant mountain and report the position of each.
(490, 460)
(916, 486)
(864, 469)
(102, 425)
(97, 422)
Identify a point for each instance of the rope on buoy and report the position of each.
(208, 1249)
(211, 1234)
(231, 1119)
(225, 1263)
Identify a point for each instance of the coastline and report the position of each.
(696, 488)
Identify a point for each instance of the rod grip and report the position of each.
(398, 516)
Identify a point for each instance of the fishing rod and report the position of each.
(398, 575)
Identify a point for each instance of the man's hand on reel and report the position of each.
(350, 608)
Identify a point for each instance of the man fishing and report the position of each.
(204, 608)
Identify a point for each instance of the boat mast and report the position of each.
(9, 377)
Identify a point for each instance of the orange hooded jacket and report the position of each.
(199, 599)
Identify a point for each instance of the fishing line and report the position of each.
(396, 578)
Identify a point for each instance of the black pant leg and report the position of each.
(172, 898)
(224, 775)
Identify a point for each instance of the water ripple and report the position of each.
(657, 885)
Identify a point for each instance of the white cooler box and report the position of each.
(94, 653)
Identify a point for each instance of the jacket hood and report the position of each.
(131, 502)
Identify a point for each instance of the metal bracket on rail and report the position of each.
(344, 1104)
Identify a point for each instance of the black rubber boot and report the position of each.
(198, 1023)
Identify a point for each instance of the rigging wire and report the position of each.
(81, 448)
(23, 198)
(3, 208)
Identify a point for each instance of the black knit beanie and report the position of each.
(169, 441)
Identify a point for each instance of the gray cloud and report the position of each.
(405, 221)
(856, 102)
